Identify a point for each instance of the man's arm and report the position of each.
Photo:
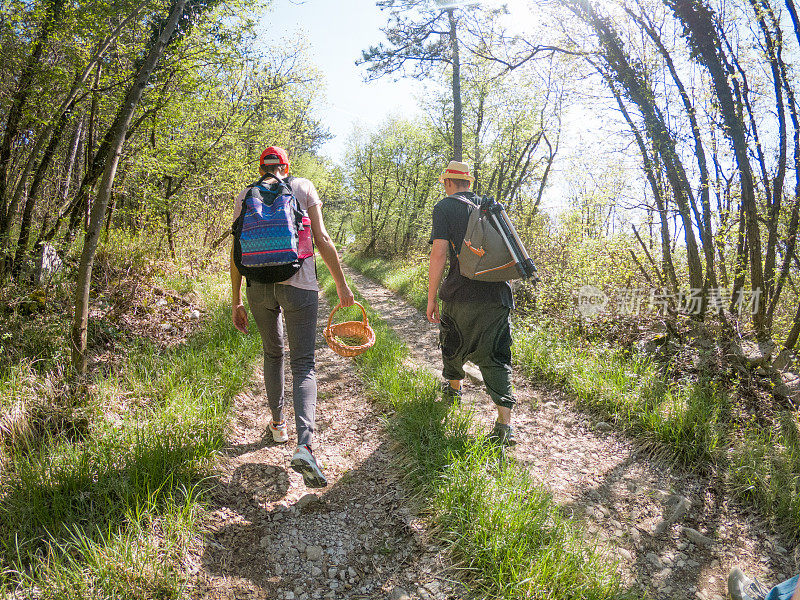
(239, 312)
(438, 260)
(329, 255)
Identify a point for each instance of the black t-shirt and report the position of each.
(450, 218)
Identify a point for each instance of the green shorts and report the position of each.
(479, 332)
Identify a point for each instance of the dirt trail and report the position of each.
(266, 536)
(675, 533)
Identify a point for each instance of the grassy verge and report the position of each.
(688, 418)
(510, 538)
(688, 421)
(105, 507)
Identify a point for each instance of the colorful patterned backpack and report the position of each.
(272, 235)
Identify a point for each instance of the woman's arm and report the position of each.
(238, 310)
(327, 251)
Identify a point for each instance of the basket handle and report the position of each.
(338, 306)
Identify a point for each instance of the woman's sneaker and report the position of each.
(279, 432)
(741, 587)
(304, 463)
(502, 435)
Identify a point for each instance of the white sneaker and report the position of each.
(304, 463)
(279, 433)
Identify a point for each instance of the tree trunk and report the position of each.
(741, 258)
(551, 156)
(117, 139)
(791, 340)
(170, 234)
(90, 135)
(476, 160)
(33, 193)
(69, 166)
(637, 88)
(704, 222)
(458, 151)
(700, 27)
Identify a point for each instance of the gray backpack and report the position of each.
(486, 252)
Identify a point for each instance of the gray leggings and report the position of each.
(299, 307)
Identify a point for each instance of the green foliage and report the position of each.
(688, 419)
(220, 104)
(393, 176)
(216, 99)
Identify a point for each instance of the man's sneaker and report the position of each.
(502, 435)
(279, 432)
(741, 587)
(304, 463)
(450, 394)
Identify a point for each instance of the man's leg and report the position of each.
(503, 415)
(300, 311)
(451, 341)
(493, 357)
(267, 315)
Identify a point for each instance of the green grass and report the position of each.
(689, 422)
(687, 418)
(509, 537)
(106, 510)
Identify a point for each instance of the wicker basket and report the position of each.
(355, 329)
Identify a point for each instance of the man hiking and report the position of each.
(474, 319)
(297, 298)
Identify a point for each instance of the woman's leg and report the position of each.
(300, 312)
(267, 315)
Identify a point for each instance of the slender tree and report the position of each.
(423, 35)
(163, 36)
(701, 31)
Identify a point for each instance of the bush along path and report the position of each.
(675, 532)
(265, 535)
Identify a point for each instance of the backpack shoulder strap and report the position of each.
(259, 182)
(254, 184)
(464, 199)
(284, 181)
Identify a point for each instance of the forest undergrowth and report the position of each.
(103, 481)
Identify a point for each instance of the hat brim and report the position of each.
(444, 176)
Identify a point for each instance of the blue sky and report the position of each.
(337, 32)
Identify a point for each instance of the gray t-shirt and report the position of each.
(306, 194)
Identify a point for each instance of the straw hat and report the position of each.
(456, 170)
